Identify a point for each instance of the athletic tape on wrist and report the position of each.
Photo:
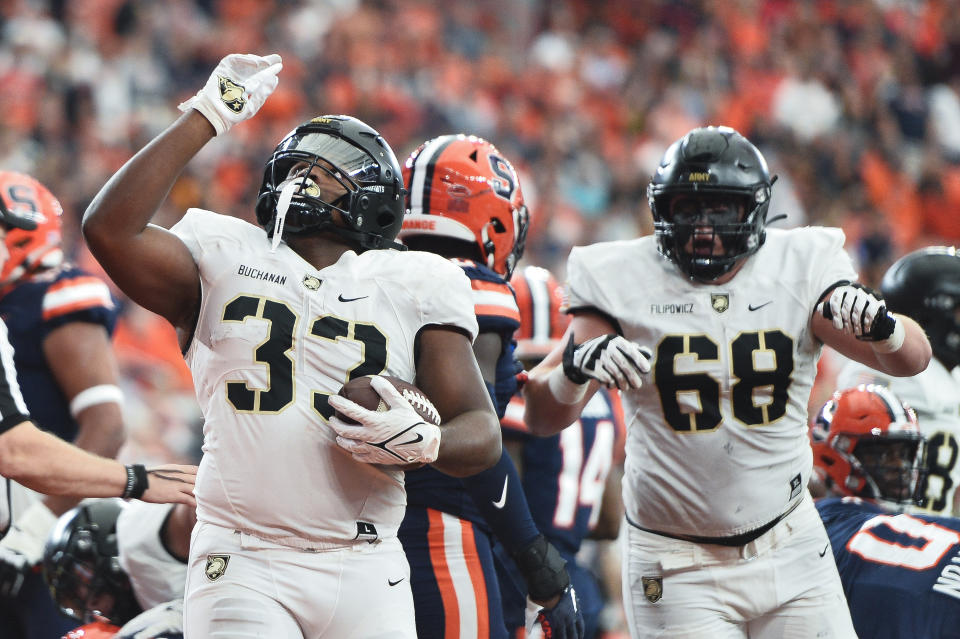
(100, 394)
(893, 343)
(562, 389)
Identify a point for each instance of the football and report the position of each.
(360, 392)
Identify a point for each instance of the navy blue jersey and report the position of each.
(496, 310)
(34, 308)
(564, 475)
(900, 572)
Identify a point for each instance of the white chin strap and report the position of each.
(287, 190)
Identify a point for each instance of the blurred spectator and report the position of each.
(583, 95)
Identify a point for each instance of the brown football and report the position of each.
(360, 391)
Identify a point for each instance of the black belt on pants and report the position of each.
(736, 540)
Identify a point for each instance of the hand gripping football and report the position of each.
(360, 391)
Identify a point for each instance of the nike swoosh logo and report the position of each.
(824, 551)
(503, 497)
(751, 307)
(351, 299)
(412, 441)
(394, 583)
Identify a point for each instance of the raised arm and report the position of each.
(151, 265)
(853, 320)
(590, 353)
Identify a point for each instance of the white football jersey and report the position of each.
(155, 574)
(274, 338)
(935, 395)
(716, 436)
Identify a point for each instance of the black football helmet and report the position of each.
(925, 285)
(370, 196)
(81, 565)
(711, 163)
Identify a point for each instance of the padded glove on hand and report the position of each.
(236, 89)
(612, 360)
(854, 308)
(394, 436)
(564, 620)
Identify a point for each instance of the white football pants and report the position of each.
(783, 585)
(240, 587)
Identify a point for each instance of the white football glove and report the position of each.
(165, 620)
(22, 547)
(854, 308)
(612, 360)
(236, 89)
(397, 435)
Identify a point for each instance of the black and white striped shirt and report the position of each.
(13, 410)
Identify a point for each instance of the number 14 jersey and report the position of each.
(716, 436)
(274, 338)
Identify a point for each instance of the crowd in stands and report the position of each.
(856, 104)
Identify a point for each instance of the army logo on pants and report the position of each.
(216, 566)
(652, 588)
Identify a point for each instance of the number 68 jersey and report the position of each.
(274, 339)
(716, 436)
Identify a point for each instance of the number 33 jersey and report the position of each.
(274, 339)
(716, 436)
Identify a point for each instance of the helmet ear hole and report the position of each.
(498, 226)
(386, 219)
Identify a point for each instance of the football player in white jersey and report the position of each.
(925, 285)
(297, 509)
(723, 538)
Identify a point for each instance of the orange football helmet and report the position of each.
(866, 443)
(539, 298)
(30, 250)
(461, 187)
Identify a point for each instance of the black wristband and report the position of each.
(137, 482)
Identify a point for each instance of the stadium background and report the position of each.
(855, 103)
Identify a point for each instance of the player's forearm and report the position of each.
(543, 414)
(101, 433)
(47, 464)
(101, 430)
(911, 358)
(128, 201)
(470, 444)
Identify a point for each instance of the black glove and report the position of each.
(563, 621)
